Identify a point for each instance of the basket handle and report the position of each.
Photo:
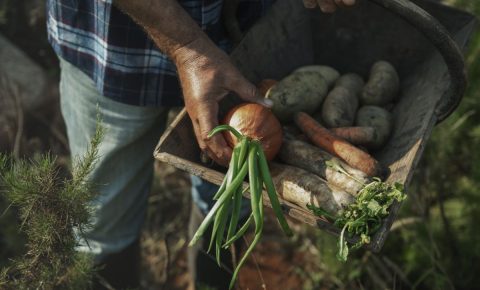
(438, 35)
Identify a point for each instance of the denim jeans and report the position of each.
(124, 170)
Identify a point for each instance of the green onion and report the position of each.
(247, 158)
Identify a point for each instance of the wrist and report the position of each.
(195, 52)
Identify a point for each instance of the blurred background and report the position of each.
(434, 243)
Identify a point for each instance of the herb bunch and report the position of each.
(364, 217)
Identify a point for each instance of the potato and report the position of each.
(378, 118)
(382, 86)
(339, 108)
(352, 82)
(341, 104)
(330, 74)
(300, 91)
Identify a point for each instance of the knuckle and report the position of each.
(220, 154)
(202, 146)
(204, 136)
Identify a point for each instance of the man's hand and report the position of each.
(327, 6)
(207, 75)
(205, 72)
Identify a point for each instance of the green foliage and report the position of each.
(50, 207)
(364, 217)
(443, 250)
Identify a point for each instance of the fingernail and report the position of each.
(328, 8)
(310, 4)
(268, 103)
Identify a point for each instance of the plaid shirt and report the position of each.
(117, 54)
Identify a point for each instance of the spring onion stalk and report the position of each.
(247, 158)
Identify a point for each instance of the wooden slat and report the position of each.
(215, 177)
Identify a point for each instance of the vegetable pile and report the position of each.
(325, 164)
(341, 125)
(259, 132)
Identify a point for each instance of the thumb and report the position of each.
(248, 92)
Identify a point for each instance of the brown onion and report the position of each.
(258, 123)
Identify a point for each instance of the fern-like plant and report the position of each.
(52, 210)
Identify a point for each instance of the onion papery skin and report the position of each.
(258, 123)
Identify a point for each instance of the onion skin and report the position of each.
(258, 123)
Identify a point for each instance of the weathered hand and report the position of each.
(205, 72)
(207, 75)
(328, 6)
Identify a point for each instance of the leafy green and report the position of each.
(318, 211)
(363, 217)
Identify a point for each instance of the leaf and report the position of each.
(374, 207)
(318, 211)
(364, 217)
(342, 253)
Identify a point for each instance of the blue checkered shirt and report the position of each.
(116, 53)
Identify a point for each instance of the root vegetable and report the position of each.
(256, 122)
(302, 188)
(339, 108)
(364, 136)
(332, 169)
(382, 86)
(378, 118)
(301, 91)
(341, 104)
(330, 74)
(352, 82)
(326, 140)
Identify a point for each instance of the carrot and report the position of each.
(265, 85)
(304, 188)
(323, 164)
(326, 140)
(356, 135)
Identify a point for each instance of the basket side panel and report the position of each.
(277, 44)
(352, 40)
(179, 140)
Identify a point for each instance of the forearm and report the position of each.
(168, 25)
(205, 72)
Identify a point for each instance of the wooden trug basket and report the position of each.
(423, 39)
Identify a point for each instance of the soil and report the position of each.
(273, 264)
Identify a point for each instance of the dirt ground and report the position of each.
(273, 264)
